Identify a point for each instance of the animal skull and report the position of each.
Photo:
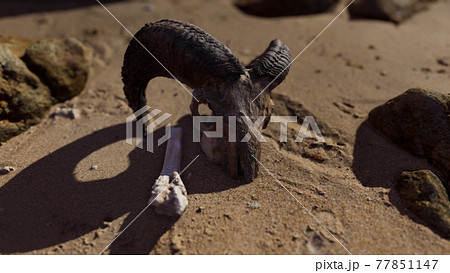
(218, 78)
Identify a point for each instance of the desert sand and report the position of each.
(54, 204)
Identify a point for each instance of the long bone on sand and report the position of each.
(169, 196)
(219, 79)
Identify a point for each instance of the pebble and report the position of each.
(70, 113)
(442, 62)
(383, 73)
(94, 167)
(6, 169)
(253, 205)
(208, 231)
(149, 7)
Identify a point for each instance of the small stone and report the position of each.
(149, 7)
(354, 64)
(67, 112)
(254, 205)
(383, 73)
(208, 231)
(94, 167)
(423, 193)
(442, 62)
(6, 169)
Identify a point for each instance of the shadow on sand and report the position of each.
(44, 205)
(378, 162)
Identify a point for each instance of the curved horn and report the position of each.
(273, 63)
(179, 50)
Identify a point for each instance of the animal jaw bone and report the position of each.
(169, 195)
(218, 78)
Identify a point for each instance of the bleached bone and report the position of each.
(169, 196)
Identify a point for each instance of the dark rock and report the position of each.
(62, 64)
(419, 121)
(274, 8)
(391, 10)
(423, 193)
(24, 100)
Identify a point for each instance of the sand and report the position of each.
(54, 204)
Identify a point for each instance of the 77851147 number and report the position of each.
(406, 264)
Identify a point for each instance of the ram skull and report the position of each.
(183, 51)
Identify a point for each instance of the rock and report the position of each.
(66, 112)
(423, 193)
(149, 7)
(273, 8)
(6, 169)
(62, 64)
(16, 45)
(254, 205)
(443, 61)
(391, 10)
(24, 100)
(170, 196)
(419, 121)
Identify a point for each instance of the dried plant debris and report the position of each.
(423, 193)
(419, 121)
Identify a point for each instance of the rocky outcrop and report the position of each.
(423, 194)
(391, 10)
(24, 100)
(62, 64)
(419, 121)
(273, 8)
(31, 72)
